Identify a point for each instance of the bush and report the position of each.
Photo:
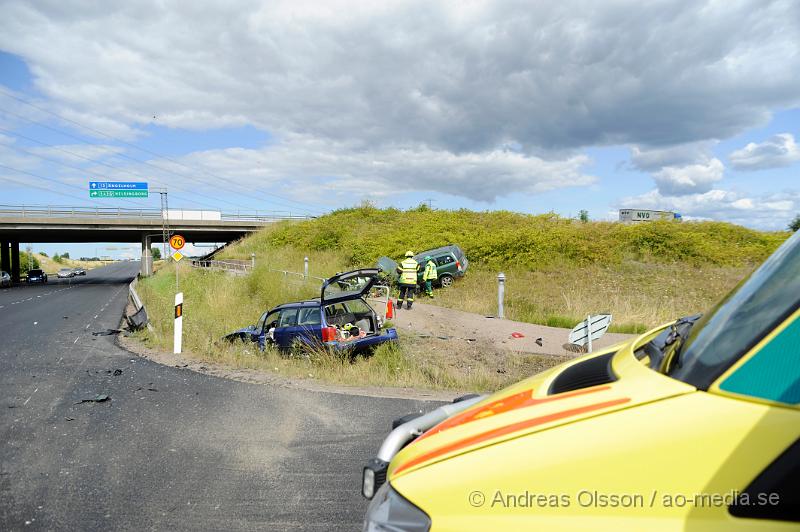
(501, 238)
(27, 262)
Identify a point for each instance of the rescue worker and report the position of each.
(430, 275)
(408, 270)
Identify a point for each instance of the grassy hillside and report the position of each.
(559, 270)
(504, 239)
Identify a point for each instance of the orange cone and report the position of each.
(389, 309)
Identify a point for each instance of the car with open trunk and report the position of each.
(340, 319)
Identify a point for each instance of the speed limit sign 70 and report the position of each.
(177, 242)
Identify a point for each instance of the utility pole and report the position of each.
(430, 202)
(164, 220)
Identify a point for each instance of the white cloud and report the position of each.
(363, 96)
(777, 151)
(331, 172)
(453, 76)
(771, 212)
(650, 159)
(689, 179)
(78, 153)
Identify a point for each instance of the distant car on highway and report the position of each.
(339, 319)
(79, 271)
(65, 273)
(5, 279)
(451, 264)
(37, 276)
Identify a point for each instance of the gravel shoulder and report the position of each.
(447, 323)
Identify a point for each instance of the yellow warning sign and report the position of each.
(177, 256)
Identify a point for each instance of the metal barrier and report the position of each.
(244, 266)
(61, 211)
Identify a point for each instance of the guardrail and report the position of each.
(61, 211)
(243, 267)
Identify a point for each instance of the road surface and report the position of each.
(172, 449)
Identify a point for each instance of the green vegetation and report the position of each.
(27, 262)
(503, 239)
(216, 303)
(558, 271)
(156, 253)
(795, 224)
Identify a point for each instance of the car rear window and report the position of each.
(446, 259)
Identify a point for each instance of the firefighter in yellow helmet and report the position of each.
(408, 270)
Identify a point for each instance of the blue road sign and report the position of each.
(117, 185)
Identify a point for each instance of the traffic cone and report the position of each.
(389, 309)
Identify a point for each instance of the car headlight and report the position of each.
(390, 512)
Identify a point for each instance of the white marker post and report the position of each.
(178, 322)
(589, 334)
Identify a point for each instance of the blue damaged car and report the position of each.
(340, 319)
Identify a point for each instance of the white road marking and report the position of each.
(29, 398)
(76, 340)
(36, 323)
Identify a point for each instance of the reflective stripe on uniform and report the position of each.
(408, 271)
(430, 272)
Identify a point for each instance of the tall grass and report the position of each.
(639, 295)
(216, 303)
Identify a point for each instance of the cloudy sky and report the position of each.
(307, 106)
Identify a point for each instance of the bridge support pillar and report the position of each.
(147, 257)
(5, 258)
(14, 262)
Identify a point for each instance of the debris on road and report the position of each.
(116, 372)
(99, 398)
(517, 335)
(107, 332)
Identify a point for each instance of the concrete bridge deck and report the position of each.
(56, 224)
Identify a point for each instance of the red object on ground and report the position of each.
(517, 335)
(389, 309)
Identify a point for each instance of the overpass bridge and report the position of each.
(56, 224)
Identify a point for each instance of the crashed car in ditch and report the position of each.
(451, 264)
(339, 319)
(694, 425)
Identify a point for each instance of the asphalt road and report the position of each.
(172, 449)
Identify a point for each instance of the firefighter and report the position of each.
(430, 275)
(408, 270)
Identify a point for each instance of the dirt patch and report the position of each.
(504, 335)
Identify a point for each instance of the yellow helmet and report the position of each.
(409, 253)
